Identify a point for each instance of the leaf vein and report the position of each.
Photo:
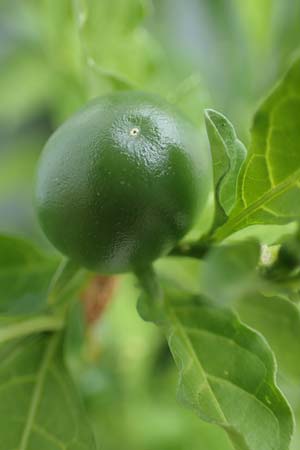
(37, 393)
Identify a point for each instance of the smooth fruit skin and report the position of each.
(121, 182)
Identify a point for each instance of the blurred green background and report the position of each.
(54, 56)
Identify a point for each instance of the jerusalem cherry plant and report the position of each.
(125, 182)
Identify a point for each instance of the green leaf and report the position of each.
(227, 374)
(39, 407)
(229, 271)
(184, 270)
(108, 32)
(269, 185)
(266, 234)
(25, 274)
(228, 154)
(278, 319)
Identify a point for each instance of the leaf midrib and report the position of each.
(29, 326)
(190, 347)
(37, 392)
(181, 329)
(271, 194)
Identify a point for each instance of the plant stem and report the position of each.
(197, 250)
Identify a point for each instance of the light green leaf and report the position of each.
(228, 154)
(229, 271)
(183, 271)
(269, 185)
(266, 234)
(227, 374)
(39, 407)
(278, 319)
(108, 34)
(25, 274)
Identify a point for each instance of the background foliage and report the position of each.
(56, 54)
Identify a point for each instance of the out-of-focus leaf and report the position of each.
(269, 187)
(229, 271)
(278, 319)
(125, 55)
(16, 327)
(266, 234)
(25, 274)
(285, 33)
(184, 271)
(39, 407)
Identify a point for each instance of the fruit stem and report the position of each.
(151, 305)
(149, 282)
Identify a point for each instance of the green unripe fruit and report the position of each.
(121, 182)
